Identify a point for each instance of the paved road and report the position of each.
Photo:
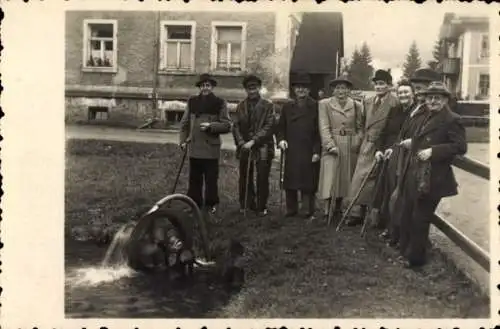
(131, 135)
(469, 211)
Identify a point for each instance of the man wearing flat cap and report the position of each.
(206, 117)
(298, 136)
(432, 137)
(377, 109)
(253, 132)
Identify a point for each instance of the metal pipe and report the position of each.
(199, 217)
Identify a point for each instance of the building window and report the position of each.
(177, 45)
(485, 46)
(100, 45)
(484, 85)
(228, 46)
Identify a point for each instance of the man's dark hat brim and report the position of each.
(425, 75)
(206, 78)
(382, 75)
(339, 81)
(252, 79)
(436, 90)
(301, 80)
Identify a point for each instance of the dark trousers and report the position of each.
(414, 230)
(257, 201)
(204, 172)
(308, 202)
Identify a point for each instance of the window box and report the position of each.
(100, 51)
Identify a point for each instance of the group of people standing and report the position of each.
(388, 156)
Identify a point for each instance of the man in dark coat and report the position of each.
(205, 118)
(433, 137)
(419, 82)
(298, 136)
(386, 179)
(253, 135)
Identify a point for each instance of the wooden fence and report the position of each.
(468, 246)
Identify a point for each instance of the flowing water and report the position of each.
(112, 289)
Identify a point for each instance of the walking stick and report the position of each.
(377, 186)
(356, 197)
(331, 209)
(281, 180)
(179, 171)
(247, 180)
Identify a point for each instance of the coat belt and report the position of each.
(344, 131)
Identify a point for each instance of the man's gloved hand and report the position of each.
(248, 145)
(379, 156)
(424, 154)
(204, 126)
(333, 150)
(406, 143)
(283, 145)
(387, 153)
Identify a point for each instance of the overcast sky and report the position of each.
(390, 30)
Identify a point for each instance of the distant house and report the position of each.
(465, 59)
(128, 66)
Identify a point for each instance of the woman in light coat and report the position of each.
(340, 126)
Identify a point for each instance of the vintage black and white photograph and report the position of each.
(280, 162)
(276, 164)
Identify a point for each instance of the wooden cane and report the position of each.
(331, 207)
(282, 155)
(179, 171)
(247, 180)
(377, 186)
(356, 197)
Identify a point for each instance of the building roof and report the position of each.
(453, 26)
(321, 36)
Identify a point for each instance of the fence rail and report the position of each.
(478, 254)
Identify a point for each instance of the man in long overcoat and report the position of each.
(433, 136)
(298, 136)
(205, 119)
(253, 132)
(377, 109)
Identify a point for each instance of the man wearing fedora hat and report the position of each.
(298, 136)
(420, 81)
(377, 109)
(206, 117)
(253, 132)
(432, 138)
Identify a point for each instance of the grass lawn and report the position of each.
(296, 269)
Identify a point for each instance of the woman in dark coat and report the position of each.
(386, 180)
(298, 136)
(433, 137)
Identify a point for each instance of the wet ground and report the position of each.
(131, 294)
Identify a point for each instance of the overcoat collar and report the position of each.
(379, 114)
(335, 105)
(298, 111)
(435, 121)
